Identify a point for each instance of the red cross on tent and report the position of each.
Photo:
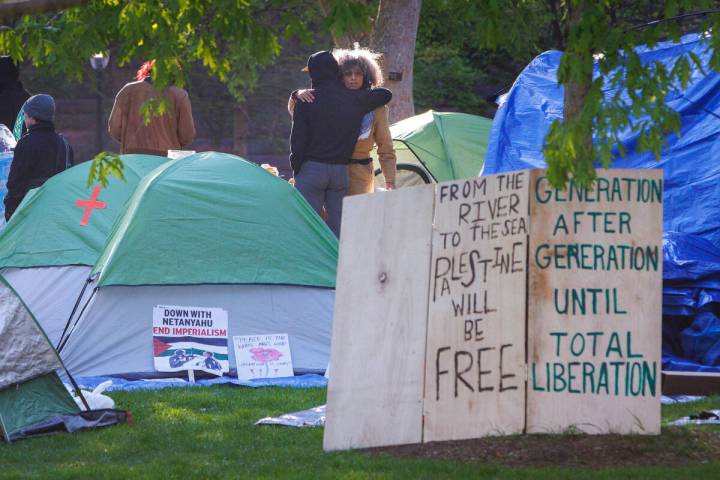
(90, 204)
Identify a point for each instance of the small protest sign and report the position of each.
(263, 356)
(176, 154)
(190, 338)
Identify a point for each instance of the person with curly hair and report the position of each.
(324, 133)
(360, 70)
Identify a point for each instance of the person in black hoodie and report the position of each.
(324, 133)
(40, 153)
(12, 93)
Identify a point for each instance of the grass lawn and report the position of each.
(208, 432)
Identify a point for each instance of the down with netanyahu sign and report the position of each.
(543, 311)
(190, 338)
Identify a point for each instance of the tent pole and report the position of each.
(89, 280)
(78, 392)
(63, 341)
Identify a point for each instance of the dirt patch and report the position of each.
(675, 447)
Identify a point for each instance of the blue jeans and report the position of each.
(324, 184)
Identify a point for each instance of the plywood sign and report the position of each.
(475, 361)
(498, 305)
(595, 304)
(380, 320)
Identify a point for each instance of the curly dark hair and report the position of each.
(366, 60)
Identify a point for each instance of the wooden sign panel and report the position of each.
(594, 304)
(380, 320)
(475, 361)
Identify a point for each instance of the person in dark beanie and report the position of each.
(12, 93)
(324, 133)
(40, 153)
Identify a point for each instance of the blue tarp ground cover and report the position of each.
(301, 381)
(691, 210)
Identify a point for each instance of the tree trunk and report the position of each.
(394, 36)
(578, 88)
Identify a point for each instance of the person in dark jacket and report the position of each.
(12, 93)
(40, 153)
(324, 133)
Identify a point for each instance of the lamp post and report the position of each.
(98, 62)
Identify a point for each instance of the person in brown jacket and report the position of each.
(172, 130)
(360, 69)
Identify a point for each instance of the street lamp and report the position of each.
(98, 62)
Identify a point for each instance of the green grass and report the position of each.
(210, 433)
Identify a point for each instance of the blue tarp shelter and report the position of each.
(691, 163)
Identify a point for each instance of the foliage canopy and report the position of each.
(231, 39)
(599, 40)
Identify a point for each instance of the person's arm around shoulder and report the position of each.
(186, 124)
(385, 149)
(18, 178)
(291, 104)
(375, 98)
(305, 96)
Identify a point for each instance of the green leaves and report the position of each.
(625, 93)
(443, 78)
(154, 108)
(348, 16)
(104, 165)
(231, 39)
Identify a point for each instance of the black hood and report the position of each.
(323, 68)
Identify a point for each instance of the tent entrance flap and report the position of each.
(32, 402)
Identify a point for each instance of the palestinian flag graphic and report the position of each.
(190, 338)
(174, 354)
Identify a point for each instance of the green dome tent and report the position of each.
(208, 230)
(437, 147)
(46, 252)
(33, 399)
(215, 218)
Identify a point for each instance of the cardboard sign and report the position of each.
(595, 304)
(190, 338)
(175, 154)
(263, 356)
(475, 363)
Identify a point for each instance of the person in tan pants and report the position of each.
(360, 69)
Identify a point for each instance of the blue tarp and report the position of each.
(309, 380)
(691, 267)
(690, 161)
